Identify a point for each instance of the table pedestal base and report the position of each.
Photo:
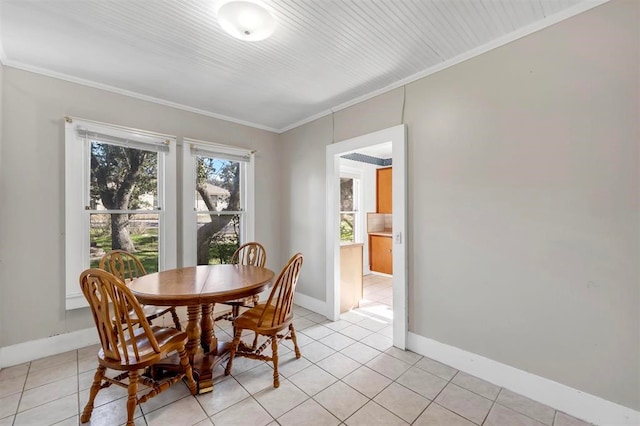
(202, 366)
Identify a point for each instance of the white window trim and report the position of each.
(247, 184)
(356, 174)
(77, 161)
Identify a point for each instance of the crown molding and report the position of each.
(136, 95)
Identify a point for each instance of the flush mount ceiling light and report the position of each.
(246, 19)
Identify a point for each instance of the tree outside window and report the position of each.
(123, 202)
(219, 210)
(348, 209)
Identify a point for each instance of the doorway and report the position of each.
(397, 136)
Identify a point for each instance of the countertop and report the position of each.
(383, 233)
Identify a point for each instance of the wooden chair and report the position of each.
(127, 267)
(270, 319)
(126, 348)
(247, 254)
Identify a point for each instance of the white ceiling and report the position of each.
(323, 56)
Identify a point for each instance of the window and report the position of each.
(349, 206)
(117, 197)
(218, 201)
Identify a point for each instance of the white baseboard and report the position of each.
(311, 303)
(35, 349)
(574, 402)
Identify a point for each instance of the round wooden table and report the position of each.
(198, 288)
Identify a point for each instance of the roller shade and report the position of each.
(149, 145)
(213, 153)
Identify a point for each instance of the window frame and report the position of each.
(77, 187)
(189, 214)
(358, 217)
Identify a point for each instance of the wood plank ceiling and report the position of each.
(324, 54)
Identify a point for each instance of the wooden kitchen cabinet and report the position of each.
(384, 194)
(350, 276)
(379, 225)
(381, 253)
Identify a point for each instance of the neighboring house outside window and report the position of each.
(219, 196)
(217, 203)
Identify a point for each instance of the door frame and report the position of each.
(398, 136)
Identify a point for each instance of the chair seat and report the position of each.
(153, 312)
(169, 339)
(244, 302)
(249, 319)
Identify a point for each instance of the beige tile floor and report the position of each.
(349, 375)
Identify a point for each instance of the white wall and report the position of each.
(32, 190)
(523, 168)
(303, 202)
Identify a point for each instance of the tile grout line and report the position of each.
(555, 412)
(80, 409)
(26, 377)
(433, 401)
(400, 384)
(493, 404)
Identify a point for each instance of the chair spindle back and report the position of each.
(250, 254)
(123, 265)
(281, 297)
(112, 305)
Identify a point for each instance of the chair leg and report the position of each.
(234, 349)
(274, 358)
(255, 342)
(235, 312)
(294, 340)
(176, 320)
(184, 361)
(95, 387)
(254, 300)
(132, 399)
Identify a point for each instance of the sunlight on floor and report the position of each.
(377, 301)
